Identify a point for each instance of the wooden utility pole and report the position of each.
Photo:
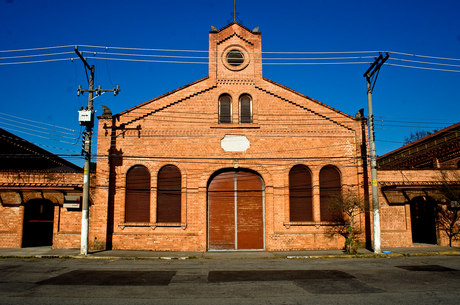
(375, 67)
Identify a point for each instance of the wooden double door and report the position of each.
(236, 211)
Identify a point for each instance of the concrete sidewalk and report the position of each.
(48, 252)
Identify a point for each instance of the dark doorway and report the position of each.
(422, 212)
(38, 223)
(235, 211)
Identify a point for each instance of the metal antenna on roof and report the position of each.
(234, 14)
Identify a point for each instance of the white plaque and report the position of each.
(234, 143)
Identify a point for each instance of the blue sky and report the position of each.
(405, 99)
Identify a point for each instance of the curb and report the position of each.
(343, 256)
(446, 253)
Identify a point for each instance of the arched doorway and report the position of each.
(38, 223)
(423, 220)
(236, 211)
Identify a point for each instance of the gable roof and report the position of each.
(239, 24)
(19, 154)
(448, 134)
(309, 98)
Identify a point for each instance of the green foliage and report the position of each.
(346, 207)
(448, 218)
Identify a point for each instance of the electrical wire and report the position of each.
(42, 132)
(202, 51)
(36, 49)
(35, 135)
(422, 68)
(423, 62)
(64, 132)
(208, 58)
(20, 118)
(37, 61)
(35, 55)
(424, 56)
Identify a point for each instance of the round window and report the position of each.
(235, 58)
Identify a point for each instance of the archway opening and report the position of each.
(423, 220)
(236, 211)
(38, 223)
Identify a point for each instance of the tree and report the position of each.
(416, 136)
(448, 212)
(346, 208)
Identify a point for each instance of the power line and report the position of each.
(35, 135)
(35, 55)
(424, 62)
(15, 121)
(37, 61)
(43, 132)
(207, 58)
(24, 119)
(422, 68)
(35, 49)
(424, 56)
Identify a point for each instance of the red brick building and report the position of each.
(233, 161)
(420, 190)
(33, 186)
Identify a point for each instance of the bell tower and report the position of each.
(235, 52)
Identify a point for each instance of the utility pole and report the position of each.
(370, 79)
(86, 118)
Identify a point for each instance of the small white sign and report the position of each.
(72, 202)
(237, 143)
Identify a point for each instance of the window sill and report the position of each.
(152, 225)
(235, 126)
(289, 224)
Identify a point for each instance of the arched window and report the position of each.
(245, 109)
(300, 194)
(225, 109)
(330, 186)
(137, 201)
(169, 194)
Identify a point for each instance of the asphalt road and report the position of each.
(401, 280)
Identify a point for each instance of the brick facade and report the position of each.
(17, 188)
(181, 128)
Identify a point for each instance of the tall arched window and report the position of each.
(169, 194)
(300, 194)
(137, 201)
(330, 186)
(245, 109)
(225, 109)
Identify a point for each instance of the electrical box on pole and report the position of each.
(86, 117)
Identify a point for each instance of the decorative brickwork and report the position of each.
(182, 128)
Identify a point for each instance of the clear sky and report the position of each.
(405, 99)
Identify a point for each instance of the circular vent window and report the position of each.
(235, 58)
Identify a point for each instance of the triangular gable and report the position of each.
(234, 23)
(302, 106)
(164, 101)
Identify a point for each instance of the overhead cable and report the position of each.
(17, 117)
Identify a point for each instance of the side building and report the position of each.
(420, 191)
(33, 186)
